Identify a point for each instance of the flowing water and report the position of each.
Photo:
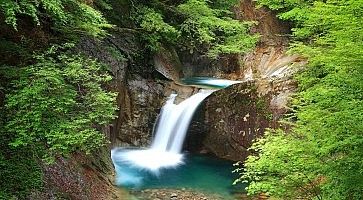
(163, 164)
(208, 82)
(174, 122)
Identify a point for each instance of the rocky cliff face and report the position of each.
(234, 117)
(139, 85)
(237, 115)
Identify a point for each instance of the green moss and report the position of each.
(115, 53)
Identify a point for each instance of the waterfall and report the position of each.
(170, 131)
(174, 121)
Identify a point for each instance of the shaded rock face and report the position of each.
(140, 96)
(196, 64)
(235, 117)
(145, 98)
(197, 132)
(167, 62)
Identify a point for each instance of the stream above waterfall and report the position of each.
(208, 82)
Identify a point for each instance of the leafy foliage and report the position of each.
(321, 157)
(194, 25)
(58, 103)
(284, 166)
(207, 26)
(68, 16)
(156, 29)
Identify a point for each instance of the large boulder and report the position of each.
(235, 116)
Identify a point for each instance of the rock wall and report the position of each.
(235, 117)
(200, 65)
(139, 86)
(145, 100)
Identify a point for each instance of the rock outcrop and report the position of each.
(167, 63)
(139, 85)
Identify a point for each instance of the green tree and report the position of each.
(200, 26)
(53, 107)
(214, 29)
(67, 16)
(321, 157)
(58, 103)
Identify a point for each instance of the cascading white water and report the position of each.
(170, 132)
(174, 122)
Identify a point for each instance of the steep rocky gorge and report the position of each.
(228, 121)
